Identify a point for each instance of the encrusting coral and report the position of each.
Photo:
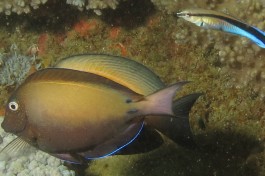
(25, 6)
(33, 163)
(14, 67)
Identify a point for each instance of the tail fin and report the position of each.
(177, 128)
(160, 102)
(183, 105)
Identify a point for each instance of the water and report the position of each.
(227, 121)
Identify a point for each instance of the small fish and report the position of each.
(210, 19)
(142, 80)
(76, 115)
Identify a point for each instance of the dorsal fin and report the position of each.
(124, 71)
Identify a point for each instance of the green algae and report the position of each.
(226, 121)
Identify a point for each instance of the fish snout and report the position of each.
(11, 125)
(183, 14)
(5, 125)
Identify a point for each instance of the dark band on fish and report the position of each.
(68, 75)
(234, 22)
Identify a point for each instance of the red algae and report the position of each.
(83, 27)
(42, 43)
(114, 32)
(122, 48)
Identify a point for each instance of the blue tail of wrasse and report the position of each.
(210, 19)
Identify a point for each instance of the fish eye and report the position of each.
(13, 106)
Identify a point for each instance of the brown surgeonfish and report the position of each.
(142, 80)
(76, 115)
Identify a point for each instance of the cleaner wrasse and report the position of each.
(210, 19)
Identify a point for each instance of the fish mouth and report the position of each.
(5, 126)
(182, 14)
(15, 128)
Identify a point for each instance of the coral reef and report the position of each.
(30, 164)
(19, 6)
(25, 6)
(96, 5)
(228, 120)
(234, 53)
(15, 67)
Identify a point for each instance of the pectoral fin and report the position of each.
(15, 148)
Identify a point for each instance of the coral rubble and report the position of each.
(25, 6)
(96, 5)
(19, 6)
(30, 164)
(15, 67)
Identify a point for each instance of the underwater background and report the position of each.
(227, 121)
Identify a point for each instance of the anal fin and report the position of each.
(73, 158)
(114, 144)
